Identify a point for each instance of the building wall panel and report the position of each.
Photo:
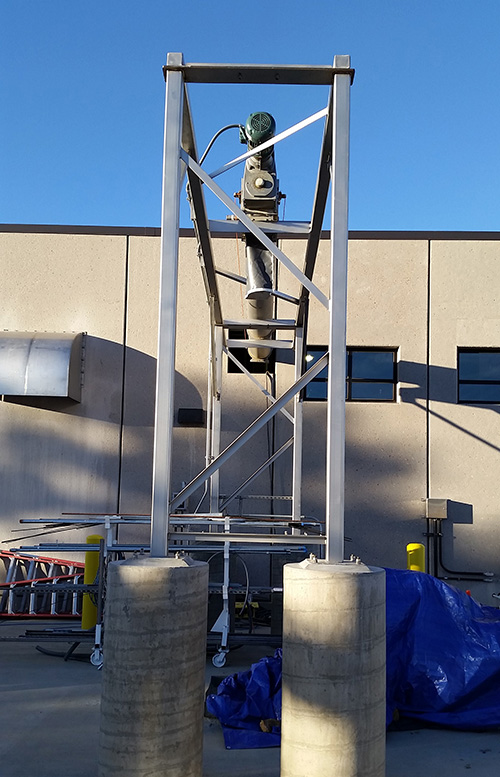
(464, 439)
(57, 455)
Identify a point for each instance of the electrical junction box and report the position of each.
(436, 508)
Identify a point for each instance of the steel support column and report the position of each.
(216, 420)
(165, 370)
(335, 451)
(297, 431)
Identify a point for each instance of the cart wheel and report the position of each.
(96, 658)
(219, 660)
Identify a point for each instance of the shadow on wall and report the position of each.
(472, 464)
(382, 494)
(48, 471)
(140, 390)
(111, 373)
(83, 462)
(442, 387)
(383, 488)
(386, 464)
(59, 456)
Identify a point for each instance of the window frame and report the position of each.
(477, 382)
(350, 381)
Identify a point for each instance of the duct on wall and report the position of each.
(41, 364)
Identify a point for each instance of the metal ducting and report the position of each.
(259, 199)
(41, 364)
(258, 294)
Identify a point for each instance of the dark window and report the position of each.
(371, 375)
(316, 388)
(479, 375)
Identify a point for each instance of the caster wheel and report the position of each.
(96, 658)
(219, 660)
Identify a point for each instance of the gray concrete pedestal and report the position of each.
(333, 713)
(154, 668)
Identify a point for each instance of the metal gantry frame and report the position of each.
(180, 157)
(171, 531)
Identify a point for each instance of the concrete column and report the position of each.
(333, 715)
(154, 668)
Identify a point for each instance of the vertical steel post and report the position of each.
(216, 419)
(297, 432)
(165, 366)
(335, 453)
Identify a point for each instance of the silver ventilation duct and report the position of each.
(259, 199)
(41, 364)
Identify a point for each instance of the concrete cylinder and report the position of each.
(155, 627)
(333, 713)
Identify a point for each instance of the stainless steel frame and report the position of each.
(180, 153)
(165, 371)
(335, 449)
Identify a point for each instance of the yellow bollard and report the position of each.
(415, 555)
(89, 609)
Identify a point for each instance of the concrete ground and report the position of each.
(49, 724)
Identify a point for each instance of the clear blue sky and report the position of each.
(82, 93)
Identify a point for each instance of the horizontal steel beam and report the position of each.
(206, 73)
(285, 344)
(215, 537)
(269, 539)
(231, 275)
(285, 297)
(271, 227)
(271, 323)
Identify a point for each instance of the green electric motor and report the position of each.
(259, 127)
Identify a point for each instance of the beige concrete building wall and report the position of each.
(140, 374)
(96, 456)
(140, 347)
(385, 441)
(57, 455)
(464, 439)
(241, 401)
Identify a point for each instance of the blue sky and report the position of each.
(82, 94)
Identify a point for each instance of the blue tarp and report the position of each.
(443, 665)
(246, 698)
(443, 653)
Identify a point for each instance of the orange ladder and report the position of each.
(39, 586)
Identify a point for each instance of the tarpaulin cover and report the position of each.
(244, 699)
(443, 665)
(443, 653)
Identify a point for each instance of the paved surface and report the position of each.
(49, 723)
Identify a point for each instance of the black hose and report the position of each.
(223, 129)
